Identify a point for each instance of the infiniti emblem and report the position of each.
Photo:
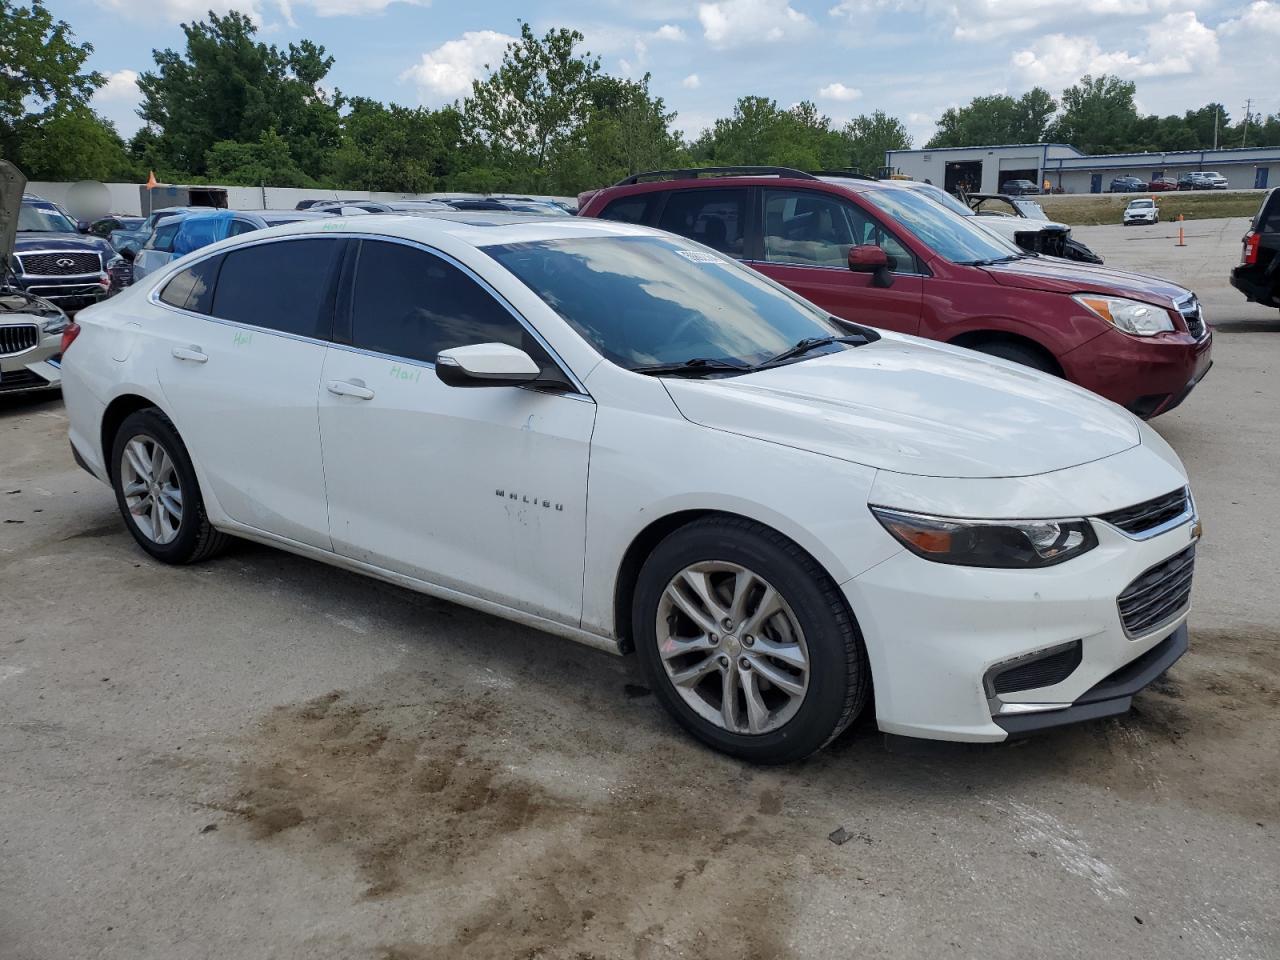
(66, 262)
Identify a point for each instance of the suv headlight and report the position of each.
(1016, 544)
(1131, 316)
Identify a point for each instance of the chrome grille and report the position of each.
(1192, 316)
(1150, 514)
(1159, 595)
(59, 264)
(16, 338)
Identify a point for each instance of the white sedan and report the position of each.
(619, 436)
(1142, 210)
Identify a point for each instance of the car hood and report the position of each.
(42, 240)
(1069, 276)
(12, 183)
(914, 407)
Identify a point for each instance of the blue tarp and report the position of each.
(200, 230)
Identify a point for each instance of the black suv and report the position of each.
(1258, 276)
(53, 260)
(1019, 188)
(1127, 185)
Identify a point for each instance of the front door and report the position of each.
(240, 363)
(1095, 183)
(806, 241)
(480, 490)
(1260, 178)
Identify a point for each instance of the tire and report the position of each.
(190, 537)
(1018, 353)
(812, 622)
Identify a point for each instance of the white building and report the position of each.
(985, 169)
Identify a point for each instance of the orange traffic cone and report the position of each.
(1182, 240)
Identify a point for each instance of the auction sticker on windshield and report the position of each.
(698, 256)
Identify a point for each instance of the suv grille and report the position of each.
(17, 338)
(1150, 514)
(68, 264)
(1158, 595)
(1192, 316)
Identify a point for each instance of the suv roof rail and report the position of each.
(693, 173)
(847, 174)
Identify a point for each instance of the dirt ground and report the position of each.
(263, 757)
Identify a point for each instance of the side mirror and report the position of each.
(868, 258)
(128, 251)
(486, 365)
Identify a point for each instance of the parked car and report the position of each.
(1020, 221)
(31, 327)
(1193, 181)
(131, 239)
(1141, 210)
(104, 226)
(53, 260)
(177, 236)
(1216, 181)
(1161, 184)
(1127, 185)
(1258, 275)
(1019, 187)
(875, 253)
(806, 552)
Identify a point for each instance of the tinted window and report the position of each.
(283, 286)
(714, 217)
(653, 300)
(238, 227)
(410, 303)
(808, 228)
(162, 239)
(192, 289)
(630, 209)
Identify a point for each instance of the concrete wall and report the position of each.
(127, 198)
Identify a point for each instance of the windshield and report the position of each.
(949, 234)
(33, 218)
(1030, 209)
(1141, 203)
(944, 198)
(643, 301)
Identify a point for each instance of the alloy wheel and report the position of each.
(152, 489)
(732, 647)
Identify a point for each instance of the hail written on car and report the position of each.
(630, 439)
(877, 253)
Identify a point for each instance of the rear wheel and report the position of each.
(157, 492)
(747, 642)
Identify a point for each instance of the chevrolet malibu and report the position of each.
(628, 439)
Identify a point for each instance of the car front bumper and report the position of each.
(36, 368)
(936, 634)
(1146, 375)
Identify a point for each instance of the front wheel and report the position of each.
(157, 492)
(748, 642)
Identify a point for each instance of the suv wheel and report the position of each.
(1018, 353)
(747, 642)
(157, 492)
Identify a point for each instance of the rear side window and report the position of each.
(162, 239)
(714, 217)
(285, 286)
(410, 303)
(631, 209)
(192, 289)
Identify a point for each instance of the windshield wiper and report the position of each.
(992, 260)
(809, 344)
(693, 368)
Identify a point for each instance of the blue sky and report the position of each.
(911, 58)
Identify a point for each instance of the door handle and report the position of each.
(350, 388)
(193, 353)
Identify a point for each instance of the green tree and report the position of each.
(396, 148)
(74, 144)
(871, 136)
(996, 119)
(227, 86)
(1098, 115)
(267, 162)
(761, 133)
(537, 97)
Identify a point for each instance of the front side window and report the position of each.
(644, 301)
(951, 236)
(409, 303)
(192, 289)
(813, 229)
(717, 218)
(284, 286)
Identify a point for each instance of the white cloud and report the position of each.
(691, 82)
(1259, 17)
(838, 91)
(180, 11)
(669, 31)
(120, 86)
(446, 72)
(731, 23)
(352, 8)
(1177, 44)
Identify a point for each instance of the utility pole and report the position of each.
(1217, 112)
(1248, 110)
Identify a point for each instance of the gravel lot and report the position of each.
(266, 757)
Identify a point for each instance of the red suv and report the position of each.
(875, 253)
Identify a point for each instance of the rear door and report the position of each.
(805, 241)
(242, 348)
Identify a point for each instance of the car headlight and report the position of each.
(1016, 544)
(56, 324)
(1131, 316)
